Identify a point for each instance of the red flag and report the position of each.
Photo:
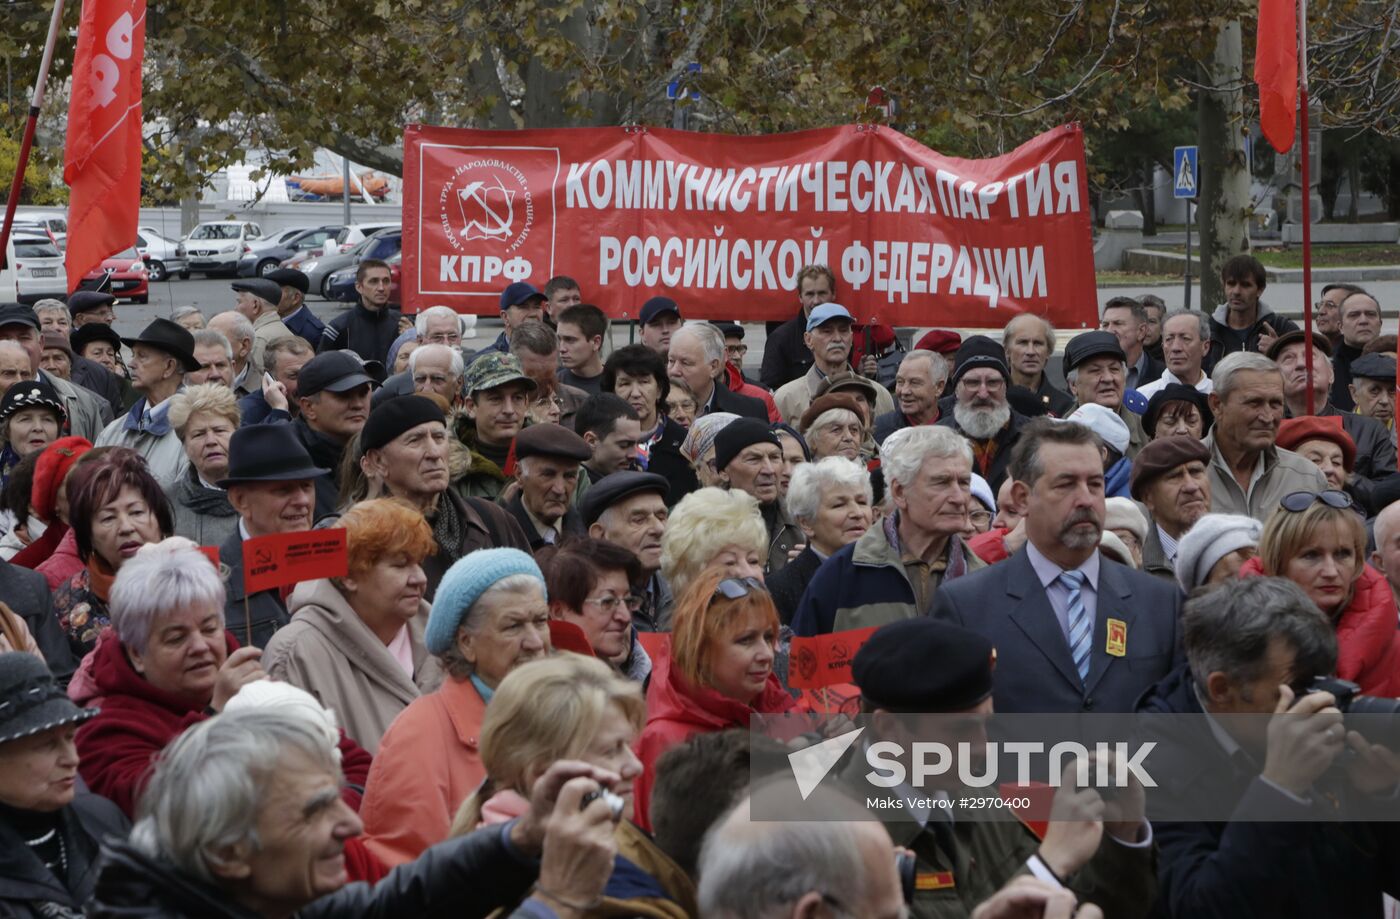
(102, 160)
(1276, 71)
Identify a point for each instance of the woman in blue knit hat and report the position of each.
(489, 616)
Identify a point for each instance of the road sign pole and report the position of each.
(1187, 296)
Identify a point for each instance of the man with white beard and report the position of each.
(981, 412)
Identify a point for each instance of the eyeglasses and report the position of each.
(1299, 501)
(610, 602)
(735, 588)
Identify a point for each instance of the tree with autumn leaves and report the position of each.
(971, 79)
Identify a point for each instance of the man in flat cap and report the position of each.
(629, 508)
(257, 300)
(981, 412)
(87, 306)
(333, 392)
(292, 308)
(749, 458)
(549, 458)
(160, 357)
(54, 317)
(1096, 370)
(87, 412)
(1373, 389)
(1170, 479)
(404, 449)
(926, 666)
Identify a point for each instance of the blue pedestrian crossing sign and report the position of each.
(1185, 175)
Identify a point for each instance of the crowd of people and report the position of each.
(574, 572)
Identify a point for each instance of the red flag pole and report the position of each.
(35, 103)
(1307, 199)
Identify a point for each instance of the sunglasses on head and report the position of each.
(1299, 501)
(734, 588)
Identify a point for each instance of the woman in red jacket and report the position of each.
(719, 672)
(1317, 541)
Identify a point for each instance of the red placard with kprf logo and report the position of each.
(270, 562)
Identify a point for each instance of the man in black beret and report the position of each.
(88, 306)
(257, 300)
(1096, 370)
(403, 454)
(749, 458)
(1373, 388)
(549, 461)
(926, 666)
(629, 508)
(1172, 480)
(980, 410)
(292, 308)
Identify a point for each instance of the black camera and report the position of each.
(1381, 724)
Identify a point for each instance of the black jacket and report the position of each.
(27, 593)
(28, 889)
(786, 356)
(726, 400)
(326, 454)
(1006, 438)
(470, 876)
(264, 612)
(369, 334)
(107, 385)
(1248, 868)
(571, 525)
(788, 583)
(1342, 356)
(667, 461)
(1223, 340)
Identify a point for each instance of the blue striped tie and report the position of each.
(1080, 628)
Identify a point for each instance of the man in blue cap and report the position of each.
(520, 303)
(371, 325)
(829, 339)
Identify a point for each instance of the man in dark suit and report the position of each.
(1127, 320)
(26, 594)
(1073, 630)
(696, 358)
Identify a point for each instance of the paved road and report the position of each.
(213, 296)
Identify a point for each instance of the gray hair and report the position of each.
(7, 345)
(180, 312)
(453, 662)
(812, 480)
(710, 338)
(420, 325)
(1222, 378)
(213, 337)
(209, 785)
(1385, 523)
(903, 452)
(454, 355)
(937, 363)
(160, 579)
(1048, 330)
(1202, 320)
(534, 337)
(756, 869)
(49, 304)
(836, 415)
(1228, 630)
(1073, 375)
(241, 326)
(1025, 465)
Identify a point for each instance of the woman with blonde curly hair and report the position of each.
(713, 528)
(574, 707)
(356, 643)
(724, 643)
(204, 417)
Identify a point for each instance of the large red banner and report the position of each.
(724, 223)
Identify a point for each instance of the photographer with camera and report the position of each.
(1254, 647)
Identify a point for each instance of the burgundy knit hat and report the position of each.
(50, 471)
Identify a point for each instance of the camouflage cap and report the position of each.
(492, 369)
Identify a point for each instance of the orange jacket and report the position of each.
(428, 763)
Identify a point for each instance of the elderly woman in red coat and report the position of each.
(166, 663)
(1317, 541)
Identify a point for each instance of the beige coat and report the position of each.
(328, 651)
(267, 328)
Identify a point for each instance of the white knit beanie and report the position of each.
(1212, 538)
(292, 700)
(1123, 514)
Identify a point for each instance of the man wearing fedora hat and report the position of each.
(160, 357)
(270, 484)
(87, 412)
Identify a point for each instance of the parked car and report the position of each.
(350, 236)
(383, 244)
(38, 268)
(55, 226)
(216, 247)
(341, 284)
(123, 275)
(262, 259)
(161, 254)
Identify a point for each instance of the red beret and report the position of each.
(1294, 431)
(50, 471)
(943, 341)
